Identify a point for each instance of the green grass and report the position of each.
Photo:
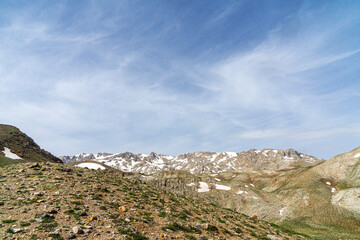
(4, 161)
(132, 235)
(8, 221)
(323, 232)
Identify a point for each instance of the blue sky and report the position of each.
(182, 76)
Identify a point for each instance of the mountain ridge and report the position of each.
(201, 162)
(16, 143)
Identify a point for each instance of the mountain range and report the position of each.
(297, 192)
(201, 162)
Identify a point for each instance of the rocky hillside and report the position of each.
(16, 145)
(51, 201)
(201, 162)
(321, 201)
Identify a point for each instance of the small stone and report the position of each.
(52, 211)
(38, 194)
(77, 230)
(92, 218)
(39, 220)
(70, 236)
(272, 237)
(202, 226)
(17, 230)
(37, 165)
(47, 216)
(80, 213)
(122, 209)
(63, 169)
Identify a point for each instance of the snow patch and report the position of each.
(265, 152)
(333, 190)
(222, 187)
(357, 155)
(9, 154)
(328, 183)
(90, 166)
(252, 185)
(190, 184)
(231, 154)
(246, 186)
(288, 159)
(214, 157)
(204, 187)
(216, 179)
(241, 192)
(281, 211)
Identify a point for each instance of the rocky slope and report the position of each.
(201, 162)
(321, 200)
(16, 145)
(50, 201)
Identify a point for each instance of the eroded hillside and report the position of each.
(50, 201)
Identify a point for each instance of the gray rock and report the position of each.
(80, 213)
(77, 230)
(39, 220)
(71, 236)
(202, 225)
(52, 211)
(272, 237)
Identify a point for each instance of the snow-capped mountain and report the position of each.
(201, 162)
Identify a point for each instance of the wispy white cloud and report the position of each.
(110, 87)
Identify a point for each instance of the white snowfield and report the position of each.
(9, 154)
(357, 155)
(222, 187)
(204, 187)
(91, 166)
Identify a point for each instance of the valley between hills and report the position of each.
(258, 194)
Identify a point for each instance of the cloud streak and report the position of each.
(106, 80)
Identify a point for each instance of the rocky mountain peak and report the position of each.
(13, 141)
(203, 162)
